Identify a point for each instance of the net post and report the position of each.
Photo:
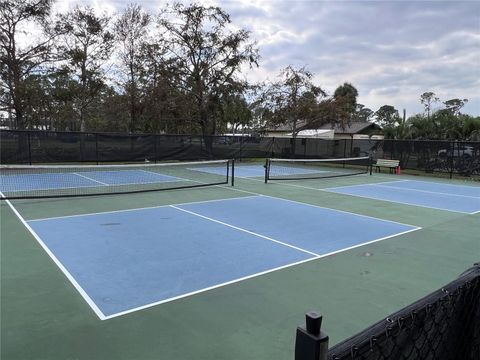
(311, 343)
(267, 168)
(370, 164)
(233, 172)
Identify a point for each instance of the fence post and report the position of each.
(452, 157)
(311, 343)
(29, 148)
(96, 147)
(155, 137)
(273, 147)
(241, 148)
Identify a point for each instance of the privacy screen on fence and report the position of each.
(43, 147)
(442, 326)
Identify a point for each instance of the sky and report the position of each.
(391, 51)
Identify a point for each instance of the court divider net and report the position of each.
(52, 181)
(299, 169)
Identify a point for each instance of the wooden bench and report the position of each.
(391, 164)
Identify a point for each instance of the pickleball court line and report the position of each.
(244, 230)
(371, 198)
(255, 275)
(69, 276)
(140, 208)
(89, 178)
(100, 314)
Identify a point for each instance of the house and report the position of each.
(356, 130)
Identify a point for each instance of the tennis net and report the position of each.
(297, 169)
(50, 181)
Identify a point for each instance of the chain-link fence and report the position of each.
(444, 325)
(27, 147)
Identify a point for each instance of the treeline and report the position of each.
(181, 70)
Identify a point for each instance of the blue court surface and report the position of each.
(254, 170)
(51, 181)
(127, 260)
(459, 198)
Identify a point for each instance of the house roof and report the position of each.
(354, 127)
(286, 127)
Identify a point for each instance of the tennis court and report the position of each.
(218, 271)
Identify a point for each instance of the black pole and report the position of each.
(29, 149)
(311, 343)
(233, 172)
(267, 169)
(96, 147)
(155, 137)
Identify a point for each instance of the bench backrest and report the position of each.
(387, 162)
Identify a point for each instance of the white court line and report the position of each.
(99, 313)
(245, 230)
(77, 286)
(138, 209)
(377, 183)
(318, 206)
(146, 306)
(399, 202)
(89, 178)
(253, 275)
(424, 191)
(371, 198)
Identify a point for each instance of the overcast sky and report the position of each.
(391, 51)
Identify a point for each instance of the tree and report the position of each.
(428, 99)
(363, 113)
(131, 30)
(86, 46)
(346, 95)
(454, 105)
(294, 97)
(205, 56)
(387, 116)
(236, 112)
(18, 62)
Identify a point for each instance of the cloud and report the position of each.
(391, 51)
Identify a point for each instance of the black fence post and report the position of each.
(29, 148)
(96, 147)
(273, 147)
(452, 157)
(311, 343)
(241, 148)
(155, 139)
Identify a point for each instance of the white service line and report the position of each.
(244, 230)
(77, 286)
(89, 178)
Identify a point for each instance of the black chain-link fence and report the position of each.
(444, 325)
(27, 147)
